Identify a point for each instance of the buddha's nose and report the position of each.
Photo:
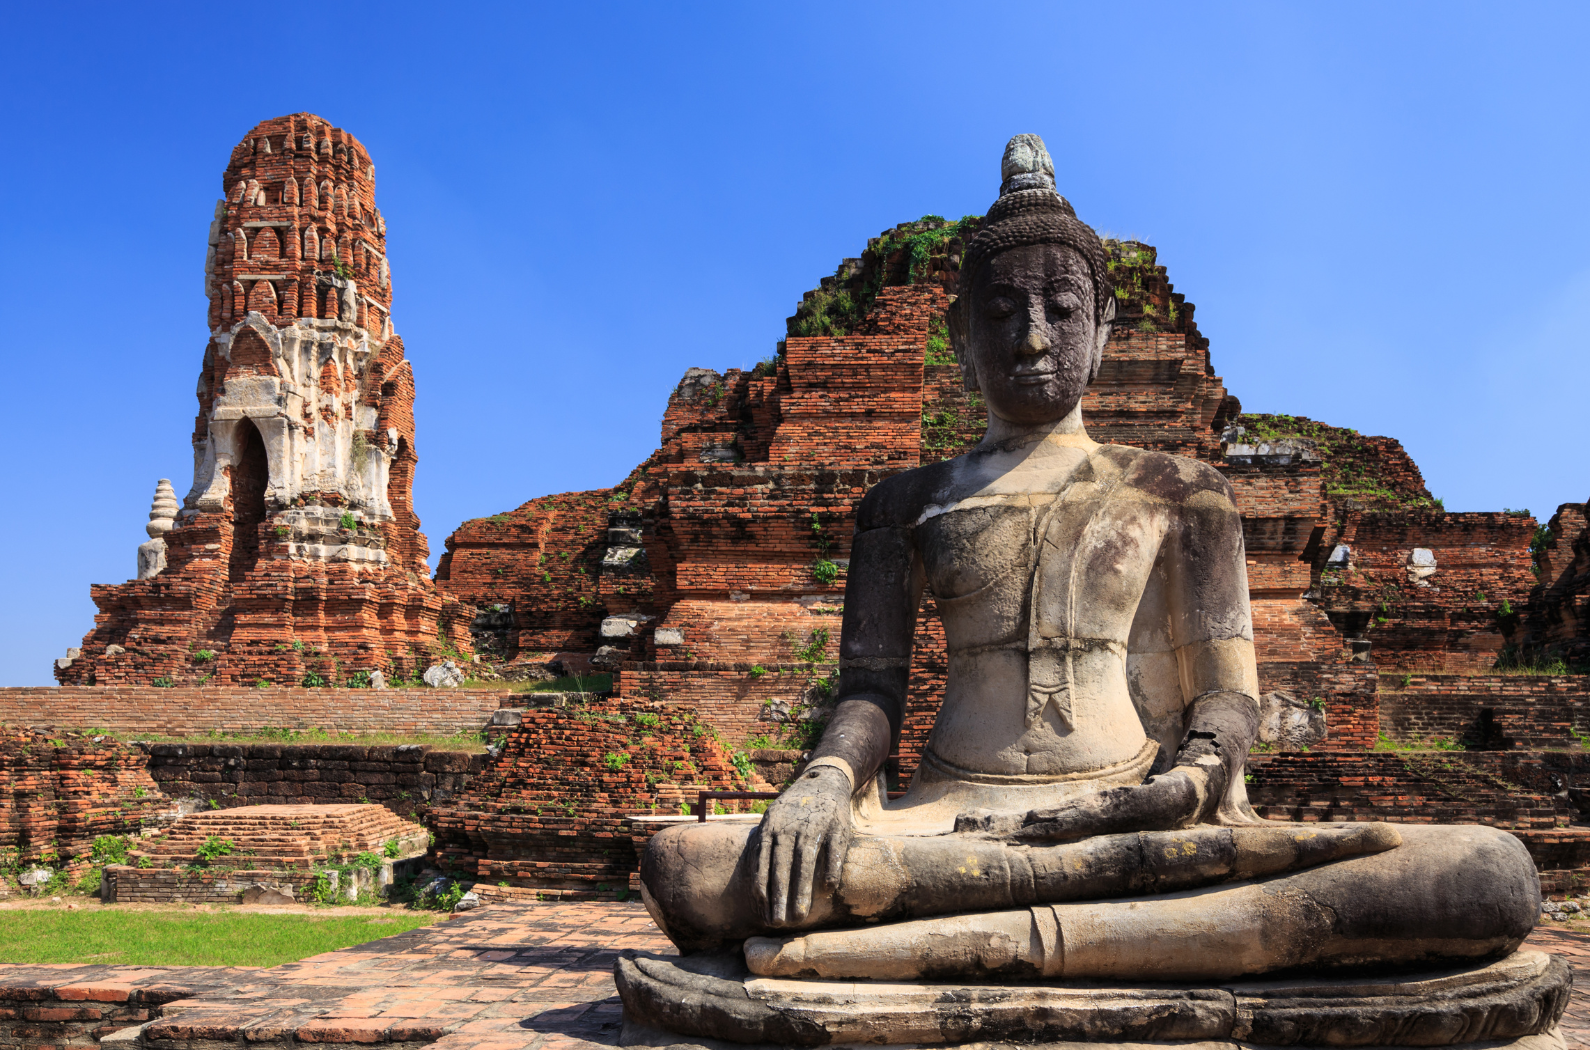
(1035, 342)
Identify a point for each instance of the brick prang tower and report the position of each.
(296, 556)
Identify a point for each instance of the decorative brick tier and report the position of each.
(278, 837)
(1457, 619)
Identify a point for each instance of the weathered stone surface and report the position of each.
(445, 675)
(713, 997)
(1289, 723)
(259, 893)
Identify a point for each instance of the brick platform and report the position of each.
(506, 977)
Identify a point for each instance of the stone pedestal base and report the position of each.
(712, 1001)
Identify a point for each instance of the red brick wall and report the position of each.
(192, 712)
(544, 559)
(59, 791)
(129, 885)
(405, 779)
(1458, 622)
(1422, 788)
(1557, 625)
(547, 815)
(1494, 712)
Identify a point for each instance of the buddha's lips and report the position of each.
(1030, 378)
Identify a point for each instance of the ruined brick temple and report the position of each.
(720, 558)
(710, 582)
(296, 554)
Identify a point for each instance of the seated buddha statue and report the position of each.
(1079, 811)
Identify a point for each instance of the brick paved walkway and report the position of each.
(1573, 942)
(505, 977)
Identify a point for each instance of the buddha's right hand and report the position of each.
(804, 837)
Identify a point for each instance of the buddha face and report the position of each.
(1030, 334)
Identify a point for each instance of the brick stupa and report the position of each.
(296, 555)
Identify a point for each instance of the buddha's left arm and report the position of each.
(1211, 628)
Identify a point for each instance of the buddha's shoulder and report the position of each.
(1165, 476)
(900, 499)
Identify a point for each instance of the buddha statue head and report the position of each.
(1036, 302)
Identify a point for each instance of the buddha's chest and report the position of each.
(1001, 568)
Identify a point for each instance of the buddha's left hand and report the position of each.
(1220, 729)
(1180, 797)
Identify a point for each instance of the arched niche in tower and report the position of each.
(250, 479)
(262, 297)
(251, 355)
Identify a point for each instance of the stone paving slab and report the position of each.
(519, 976)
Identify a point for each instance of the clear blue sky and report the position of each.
(1378, 210)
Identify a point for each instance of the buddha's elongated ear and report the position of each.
(1102, 336)
(960, 345)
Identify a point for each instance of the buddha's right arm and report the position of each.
(882, 592)
(805, 834)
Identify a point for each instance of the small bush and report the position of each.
(824, 571)
(109, 849)
(348, 522)
(615, 760)
(212, 848)
(202, 656)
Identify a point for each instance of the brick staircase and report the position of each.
(282, 837)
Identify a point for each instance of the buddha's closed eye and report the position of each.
(1000, 307)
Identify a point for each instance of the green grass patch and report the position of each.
(1386, 743)
(160, 938)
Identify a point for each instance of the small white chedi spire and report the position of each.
(162, 516)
